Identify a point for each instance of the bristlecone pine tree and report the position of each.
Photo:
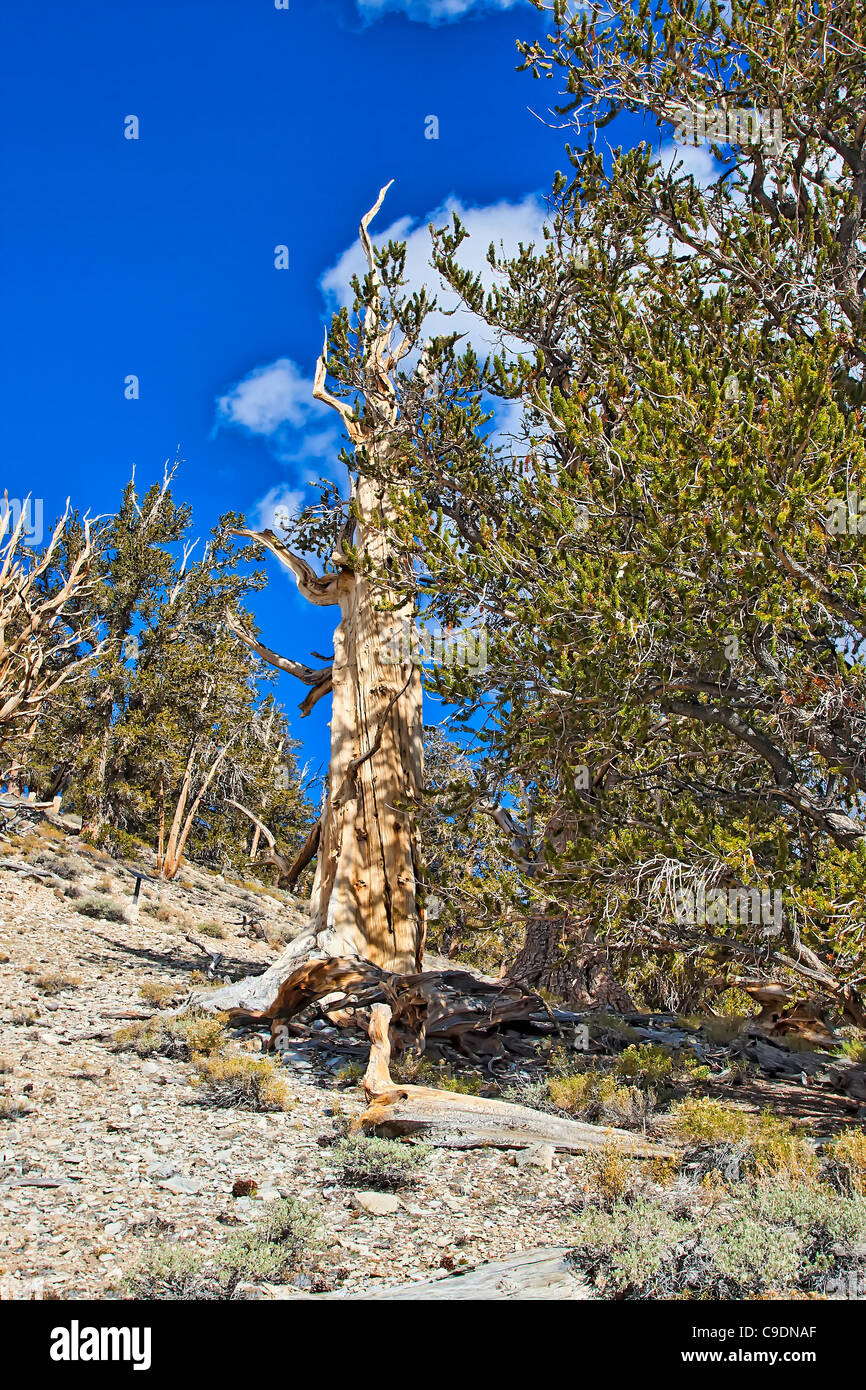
(674, 564)
(366, 898)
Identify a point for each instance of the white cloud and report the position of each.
(508, 223)
(270, 397)
(271, 510)
(696, 160)
(431, 11)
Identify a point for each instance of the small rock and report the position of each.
(245, 1187)
(182, 1187)
(161, 1171)
(536, 1156)
(376, 1203)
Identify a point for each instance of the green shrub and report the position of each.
(845, 1162)
(779, 1240)
(212, 929)
(101, 907)
(160, 992)
(416, 1069)
(597, 1098)
(56, 981)
(646, 1065)
(242, 1083)
(765, 1145)
(171, 1274)
(266, 1253)
(181, 1038)
(276, 1245)
(378, 1163)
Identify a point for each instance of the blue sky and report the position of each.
(258, 127)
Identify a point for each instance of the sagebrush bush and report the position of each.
(171, 1274)
(182, 1038)
(243, 1083)
(383, 1164)
(101, 907)
(266, 1253)
(780, 1239)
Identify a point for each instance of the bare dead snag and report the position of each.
(38, 631)
(453, 1120)
(281, 862)
(365, 900)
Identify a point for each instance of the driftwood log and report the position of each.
(455, 1121)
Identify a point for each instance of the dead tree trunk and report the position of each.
(558, 956)
(365, 899)
(559, 952)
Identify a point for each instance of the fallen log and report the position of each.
(531, 1274)
(455, 1121)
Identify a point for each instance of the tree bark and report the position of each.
(557, 956)
(365, 899)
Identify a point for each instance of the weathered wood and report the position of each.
(440, 1005)
(452, 1120)
(530, 1274)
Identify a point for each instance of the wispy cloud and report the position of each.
(503, 223)
(432, 11)
(269, 398)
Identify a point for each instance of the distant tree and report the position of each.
(43, 623)
(174, 716)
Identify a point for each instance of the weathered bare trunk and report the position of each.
(365, 898)
(95, 814)
(364, 894)
(183, 819)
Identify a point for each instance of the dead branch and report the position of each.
(454, 1120)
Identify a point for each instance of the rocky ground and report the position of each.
(112, 1152)
(104, 1154)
